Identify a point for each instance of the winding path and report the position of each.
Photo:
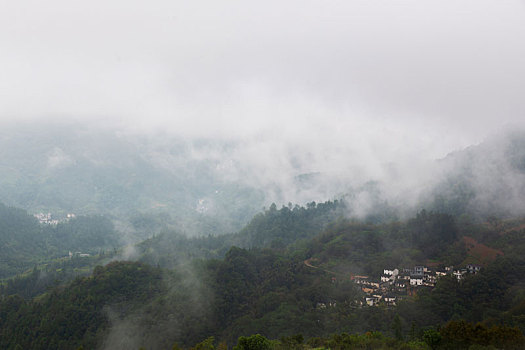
(308, 262)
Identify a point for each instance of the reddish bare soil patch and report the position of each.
(433, 264)
(479, 252)
(513, 229)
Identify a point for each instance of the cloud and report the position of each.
(239, 67)
(57, 158)
(348, 88)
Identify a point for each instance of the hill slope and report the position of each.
(63, 168)
(275, 293)
(24, 242)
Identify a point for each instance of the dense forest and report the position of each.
(293, 277)
(262, 175)
(24, 243)
(256, 287)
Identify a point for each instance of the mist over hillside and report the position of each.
(210, 186)
(485, 179)
(186, 173)
(211, 112)
(211, 115)
(74, 168)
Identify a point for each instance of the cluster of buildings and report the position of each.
(395, 284)
(47, 219)
(78, 254)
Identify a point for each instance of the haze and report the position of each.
(341, 86)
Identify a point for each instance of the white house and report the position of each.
(459, 274)
(473, 268)
(416, 280)
(390, 299)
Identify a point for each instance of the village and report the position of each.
(47, 218)
(396, 284)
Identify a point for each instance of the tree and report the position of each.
(432, 338)
(432, 232)
(206, 344)
(397, 327)
(254, 342)
(222, 346)
(293, 342)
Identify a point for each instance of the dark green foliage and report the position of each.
(292, 342)
(22, 242)
(432, 232)
(432, 338)
(272, 292)
(288, 224)
(251, 282)
(262, 291)
(206, 344)
(397, 327)
(370, 340)
(478, 297)
(276, 228)
(84, 233)
(25, 243)
(41, 279)
(74, 316)
(254, 342)
(462, 335)
(357, 247)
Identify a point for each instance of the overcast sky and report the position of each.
(384, 77)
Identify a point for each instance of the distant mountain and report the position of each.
(152, 183)
(63, 168)
(483, 180)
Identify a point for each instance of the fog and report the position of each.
(355, 90)
(298, 100)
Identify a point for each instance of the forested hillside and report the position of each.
(281, 291)
(25, 243)
(262, 175)
(300, 277)
(275, 228)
